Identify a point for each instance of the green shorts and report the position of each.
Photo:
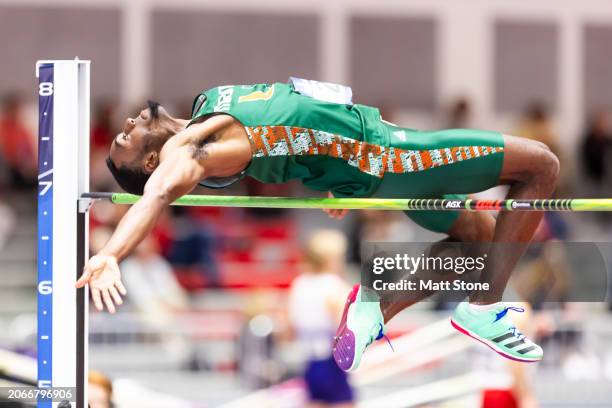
(441, 164)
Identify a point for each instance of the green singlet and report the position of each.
(350, 151)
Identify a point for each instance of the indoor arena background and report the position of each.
(206, 322)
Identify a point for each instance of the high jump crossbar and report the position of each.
(567, 204)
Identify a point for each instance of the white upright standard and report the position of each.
(63, 175)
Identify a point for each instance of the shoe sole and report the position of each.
(491, 345)
(344, 341)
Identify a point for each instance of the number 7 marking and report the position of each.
(257, 96)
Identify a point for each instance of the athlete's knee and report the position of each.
(540, 145)
(547, 165)
(529, 162)
(540, 162)
(530, 143)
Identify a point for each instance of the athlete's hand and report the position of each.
(333, 213)
(104, 278)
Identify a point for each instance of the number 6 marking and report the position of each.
(45, 288)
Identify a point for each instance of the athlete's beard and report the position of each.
(155, 141)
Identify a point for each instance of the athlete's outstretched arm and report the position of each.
(175, 177)
(177, 174)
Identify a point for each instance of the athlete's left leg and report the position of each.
(531, 170)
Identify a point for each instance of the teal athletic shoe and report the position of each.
(493, 328)
(362, 323)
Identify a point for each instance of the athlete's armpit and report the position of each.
(199, 150)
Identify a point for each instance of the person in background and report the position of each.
(158, 297)
(152, 284)
(17, 143)
(537, 125)
(103, 130)
(316, 300)
(508, 384)
(596, 153)
(460, 114)
(99, 390)
(194, 246)
(8, 222)
(377, 226)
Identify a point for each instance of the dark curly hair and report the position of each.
(131, 179)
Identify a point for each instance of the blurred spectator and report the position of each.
(316, 302)
(459, 116)
(508, 384)
(8, 220)
(193, 246)
(536, 124)
(597, 153)
(154, 290)
(151, 283)
(256, 343)
(17, 143)
(103, 131)
(256, 188)
(99, 390)
(378, 226)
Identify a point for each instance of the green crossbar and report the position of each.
(414, 204)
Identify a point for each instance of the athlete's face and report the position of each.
(128, 147)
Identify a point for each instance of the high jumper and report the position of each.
(313, 132)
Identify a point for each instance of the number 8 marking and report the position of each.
(45, 88)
